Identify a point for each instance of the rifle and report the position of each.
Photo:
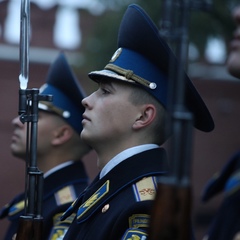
(31, 223)
(171, 215)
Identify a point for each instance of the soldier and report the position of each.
(226, 222)
(59, 150)
(124, 123)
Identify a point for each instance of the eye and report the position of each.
(104, 90)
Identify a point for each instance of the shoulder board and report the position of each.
(145, 189)
(65, 195)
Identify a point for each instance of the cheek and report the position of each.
(113, 112)
(44, 134)
(121, 116)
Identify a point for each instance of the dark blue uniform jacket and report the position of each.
(61, 188)
(118, 205)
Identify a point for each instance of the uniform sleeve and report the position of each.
(134, 234)
(133, 222)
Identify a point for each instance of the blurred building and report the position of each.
(64, 25)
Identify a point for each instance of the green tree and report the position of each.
(102, 43)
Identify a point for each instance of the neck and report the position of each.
(105, 155)
(45, 163)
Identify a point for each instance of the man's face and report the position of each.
(233, 63)
(109, 115)
(46, 124)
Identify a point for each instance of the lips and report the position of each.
(15, 137)
(85, 118)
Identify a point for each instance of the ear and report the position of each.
(62, 135)
(145, 117)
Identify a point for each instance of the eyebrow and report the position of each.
(107, 83)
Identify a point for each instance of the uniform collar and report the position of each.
(58, 167)
(101, 191)
(124, 155)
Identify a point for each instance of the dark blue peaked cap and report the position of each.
(67, 93)
(143, 58)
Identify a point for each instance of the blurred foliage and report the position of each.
(217, 22)
(102, 43)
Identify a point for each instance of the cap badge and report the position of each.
(116, 54)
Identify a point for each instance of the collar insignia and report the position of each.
(102, 191)
(16, 208)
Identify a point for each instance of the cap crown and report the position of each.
(67, 93)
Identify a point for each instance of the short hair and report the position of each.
(140, 96)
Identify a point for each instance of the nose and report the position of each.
(17, 123)
(86, 101)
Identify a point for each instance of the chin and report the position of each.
(19, 155)
(84, 137)
(87, 139)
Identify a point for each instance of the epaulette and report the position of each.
(145, 189)
(65, 195)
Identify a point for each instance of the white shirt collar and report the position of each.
(124, 155)
(52, 170)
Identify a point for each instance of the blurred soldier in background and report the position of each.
(226, 223)
(59, 150)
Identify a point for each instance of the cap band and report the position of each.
(129, 75)
(46, 106)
